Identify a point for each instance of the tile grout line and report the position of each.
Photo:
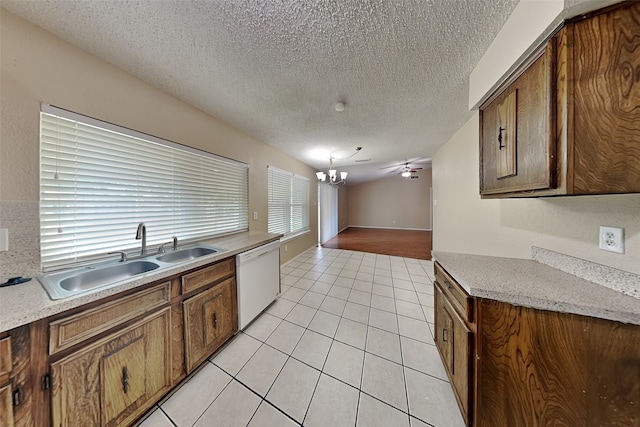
(310, 260)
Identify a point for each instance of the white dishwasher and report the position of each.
(258, 281)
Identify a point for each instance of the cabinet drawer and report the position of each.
(208, 275)
(69, 331)
(5, 359)
(459, 299)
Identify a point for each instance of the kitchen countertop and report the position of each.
(27, 302)
(531, 284)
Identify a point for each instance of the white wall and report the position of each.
(509, 227)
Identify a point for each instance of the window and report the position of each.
(98, 181)
(288, 203)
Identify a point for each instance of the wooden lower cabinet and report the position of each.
(518, 366)
(114, 380)
(542, 368)
(209, 320)
(6, 406)
(105, 364)
(454, 340)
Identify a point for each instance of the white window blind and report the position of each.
(98, 181)
(288, 208)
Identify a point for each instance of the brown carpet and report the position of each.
(404, 243)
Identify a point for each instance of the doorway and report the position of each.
(327, 212)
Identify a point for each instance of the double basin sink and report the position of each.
(72, 282)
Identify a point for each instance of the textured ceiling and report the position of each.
(276, 69)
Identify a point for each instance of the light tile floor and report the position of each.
(348, 343)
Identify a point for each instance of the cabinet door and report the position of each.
(461, 362)
(115, 379)
(444, 330)
(6, 406)
(607, 99)
(455, 342)
(208, 322)
(517, 137)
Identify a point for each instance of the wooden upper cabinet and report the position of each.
(517, 131)
(577, 114)
(606, 75)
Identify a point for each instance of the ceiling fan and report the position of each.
(401, 166)
(408, 171)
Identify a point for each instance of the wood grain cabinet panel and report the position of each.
(454, 340)
(517, 130)
(606, 77)
(114, 380)
(541, 368)
(18, 367)
(204, 277)
(71, 330)
(5, 359)
(209, 320)
(520, 366)
(577, 113)
(6, 406)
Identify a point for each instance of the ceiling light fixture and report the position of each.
(339, 106)
(332, 173)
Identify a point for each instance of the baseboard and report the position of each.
(388, 228)
(342, 229)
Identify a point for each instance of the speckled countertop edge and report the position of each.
(28, 302)
(531, 284)
(618, 280)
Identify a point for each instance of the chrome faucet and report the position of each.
(175, 245)
(141, 233)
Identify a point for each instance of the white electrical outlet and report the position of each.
(612, 239)
(255, 215)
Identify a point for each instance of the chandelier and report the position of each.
(332, 174)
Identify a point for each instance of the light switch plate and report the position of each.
(612, 239)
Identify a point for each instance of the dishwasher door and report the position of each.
(258, 281)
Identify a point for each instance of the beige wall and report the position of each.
(393, 202)
(37, 67)
(464, 223)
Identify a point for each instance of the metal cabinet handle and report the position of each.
(17, 397)
(125, 379)
(500, 146)
(444, 334)
(215, 321)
